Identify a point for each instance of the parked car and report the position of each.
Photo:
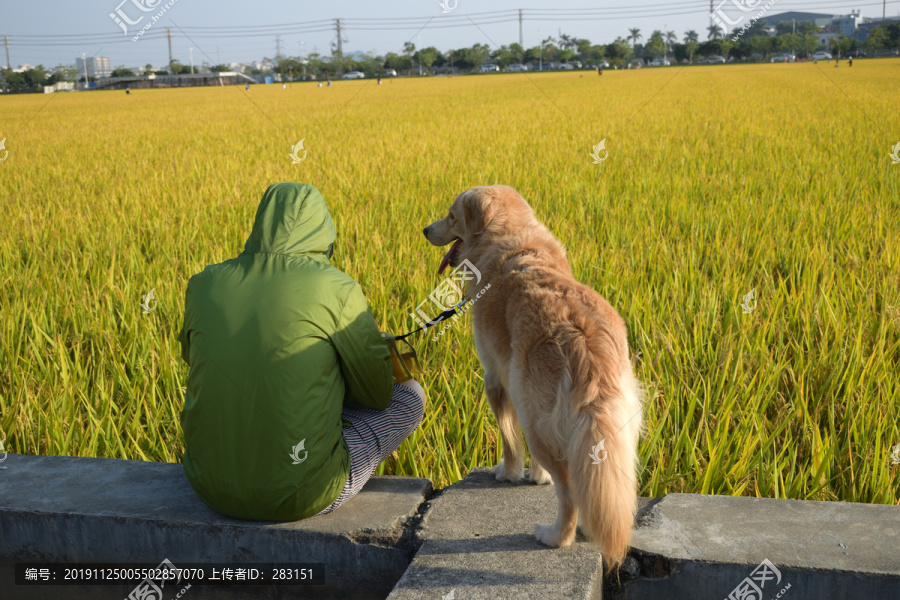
(489, 68)
(822, 56)
(714, 60)
(517, 68)
(390, 73)
(659, 62)
(787, 57)
(354, 75)
(565, 67)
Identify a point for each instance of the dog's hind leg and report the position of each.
(512, 465)
(561, 533)
(537, 474)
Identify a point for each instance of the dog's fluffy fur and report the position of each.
(555, 357)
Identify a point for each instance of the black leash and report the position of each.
(441, 317)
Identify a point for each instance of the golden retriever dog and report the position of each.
(555, 357)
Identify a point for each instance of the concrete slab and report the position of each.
(693, 546)
(68, 509)
(478, 543)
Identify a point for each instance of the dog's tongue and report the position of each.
(449, 256)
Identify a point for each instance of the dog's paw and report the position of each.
(550, 535)
(504, 473)
(538, 475)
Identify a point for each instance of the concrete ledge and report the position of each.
(689, 546)
(66, 509)
(473, 540)
(478, 539)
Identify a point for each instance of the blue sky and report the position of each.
(58, 19)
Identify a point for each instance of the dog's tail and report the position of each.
(602, 459)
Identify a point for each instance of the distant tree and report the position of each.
(725, 47)
(691, 36)
(691, 49)
(715, 32)
(808, 43)
(427, 56)
(878, 38)
(122, 72)
(671, 39)
(566, 42)
(619, 52)
(219, 68)
(408, 49)
(634, 35)
(756, 28)
(478, 55)
(656, 46)
(761, 44)
(848, 45)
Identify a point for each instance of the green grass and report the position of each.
(719, 180)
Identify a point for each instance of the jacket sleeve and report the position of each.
(365, 359)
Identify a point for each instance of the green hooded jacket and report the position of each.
(278, 342)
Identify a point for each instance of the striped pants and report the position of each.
(375, 434)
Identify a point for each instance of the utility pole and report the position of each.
(521, 43)
(541, 53)
(711, 19)
(84, 64)
(340, 47)
(218, 55)
(6, 42)
(191, 50)
(277, 47)
(303, 60)
(171, 62)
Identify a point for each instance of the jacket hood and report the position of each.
(292, 219)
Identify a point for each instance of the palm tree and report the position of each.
(715, 32)
(671, 38)
(635, 35)
(691, 36)
(566, 41)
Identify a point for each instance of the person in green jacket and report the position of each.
(290, 403)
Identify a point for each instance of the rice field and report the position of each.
(718, 181)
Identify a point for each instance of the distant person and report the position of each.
(329, 82)
(291, 402)
(600, 70)
(379, 81)
(850, 61)
(248, 87)
(836, 61)
(320, 84)
(127, 90)
(284, 86)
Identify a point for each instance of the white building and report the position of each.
(97, 66)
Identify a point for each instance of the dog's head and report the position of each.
(478, 216)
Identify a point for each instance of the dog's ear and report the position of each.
(478, 211)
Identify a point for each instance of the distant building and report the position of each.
(820, 19)
(97, 66)
(22, 68)
(862, 34)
